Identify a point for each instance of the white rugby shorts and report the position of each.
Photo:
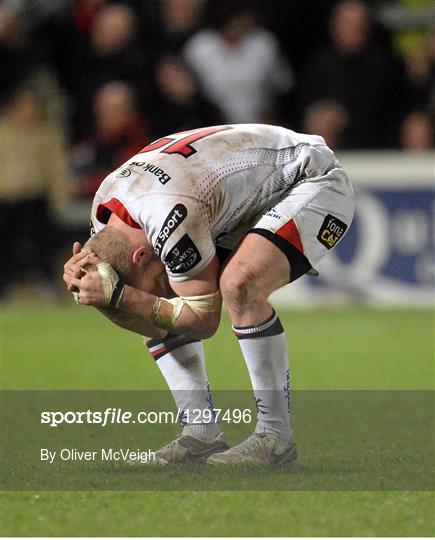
(313, 217)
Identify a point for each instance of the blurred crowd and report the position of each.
(87, 83)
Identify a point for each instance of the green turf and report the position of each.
(219, 514)
(69, 347)
(74, 347)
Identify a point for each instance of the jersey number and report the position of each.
(182, 146)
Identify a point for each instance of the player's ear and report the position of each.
(139, 255)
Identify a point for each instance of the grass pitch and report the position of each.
(71, 347)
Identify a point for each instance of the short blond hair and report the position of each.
(112, 246)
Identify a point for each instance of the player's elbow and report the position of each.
(205, 326)
(208, 331)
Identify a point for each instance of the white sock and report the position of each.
(264, 347)
(182, 363)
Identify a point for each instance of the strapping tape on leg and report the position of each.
(166, 312)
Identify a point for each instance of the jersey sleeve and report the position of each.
(179, 232)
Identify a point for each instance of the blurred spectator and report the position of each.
(178, 105)
(240, 66)
(35, 183)
(417, 132)
(112, 30)
(165, 25)
(14, 54)
(119, 132)
(420, 71)
(327, 119)
(181, 19)
(301, 27)
(66, 38)
(114, 54)
(360, 75)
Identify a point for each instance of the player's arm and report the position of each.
(194, 312)
(186, 248)
(133, 323)
(76, 267)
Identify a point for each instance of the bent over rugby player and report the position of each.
(226, 212)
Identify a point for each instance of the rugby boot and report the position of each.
(258, 448)
(188, 449)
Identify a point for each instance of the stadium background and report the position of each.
(86, 83)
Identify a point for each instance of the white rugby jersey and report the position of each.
(195, 190)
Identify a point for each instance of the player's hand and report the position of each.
(74, 267)
(89, 289)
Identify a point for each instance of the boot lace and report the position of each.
(253, 444)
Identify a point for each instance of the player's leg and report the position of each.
(182, 364)
(181, 361)
(257, 269)
(287, 241)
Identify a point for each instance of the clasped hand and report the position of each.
(82, 277)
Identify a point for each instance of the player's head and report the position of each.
(112, 246)
(129, 253)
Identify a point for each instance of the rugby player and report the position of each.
(227, 212)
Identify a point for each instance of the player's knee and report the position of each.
(239, 286)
